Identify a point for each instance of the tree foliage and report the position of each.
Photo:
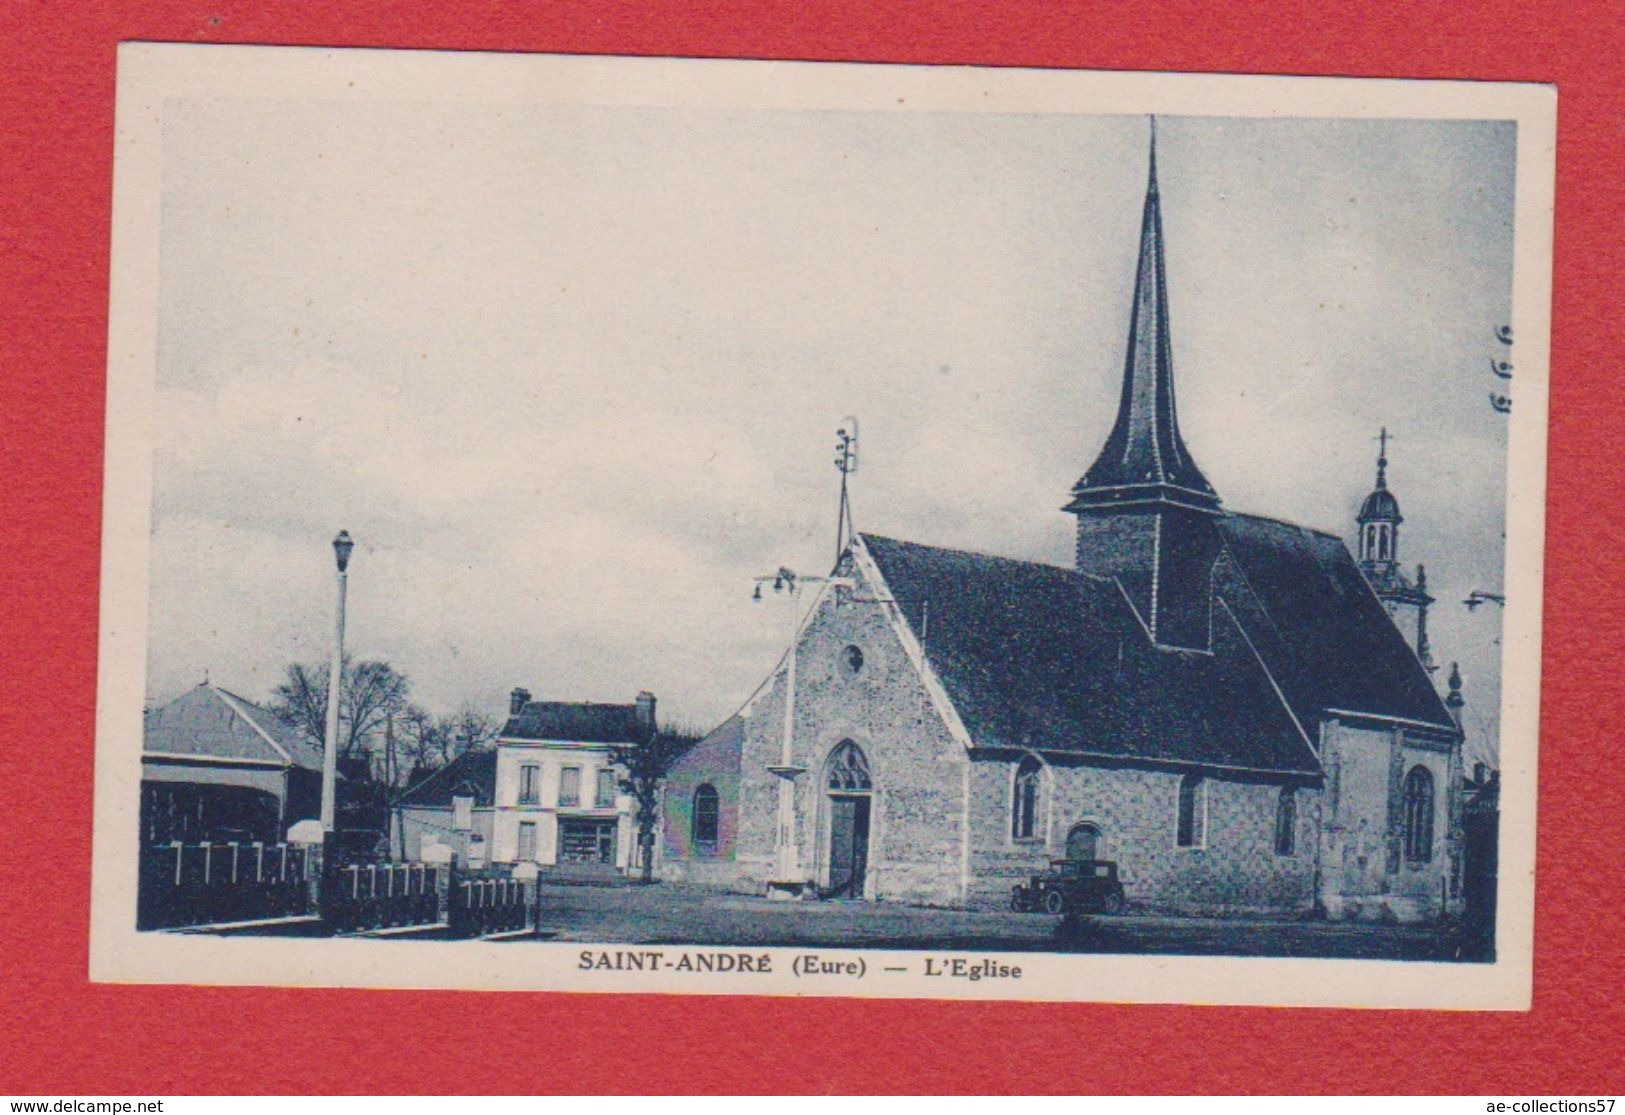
(642, 767)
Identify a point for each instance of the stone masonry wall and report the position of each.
(1365, 873)
(1136, 812)
(714, 761)
(916, 765)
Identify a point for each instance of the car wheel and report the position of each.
(1113, 903)
(1053, 902)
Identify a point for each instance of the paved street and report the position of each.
(668, 914)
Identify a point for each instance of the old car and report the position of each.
(1072, 886)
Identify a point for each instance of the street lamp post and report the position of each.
(335, 683)
(788, 877)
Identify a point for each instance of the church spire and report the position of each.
(1145, 511)
(1144, 460)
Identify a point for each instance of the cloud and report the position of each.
(571, 376)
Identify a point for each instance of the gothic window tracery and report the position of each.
(1417, 805)
(848, 770)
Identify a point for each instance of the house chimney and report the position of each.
(645, 714)
(517, 700)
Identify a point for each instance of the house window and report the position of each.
(570, 786)
(1192, 811)
(527, 841)
(1024, 808)
(530, 781)
(605, 798)
(705, 818)
(1286, 822)
(1418, 810)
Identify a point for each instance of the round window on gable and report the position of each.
(852, 658)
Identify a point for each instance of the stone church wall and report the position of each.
(713, 761)
(916, 765)
(1237, 870)
(1366, 874)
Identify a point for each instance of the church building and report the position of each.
(1219, 702)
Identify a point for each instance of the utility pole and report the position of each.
(335, 687)
(788, 878)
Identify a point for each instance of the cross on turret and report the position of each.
(1379, 520)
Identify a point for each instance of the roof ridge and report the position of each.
(980, 554)
(228, 698)
(585, 704)
(441, 770)
(1280, 522)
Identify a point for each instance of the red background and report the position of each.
(60, 1035)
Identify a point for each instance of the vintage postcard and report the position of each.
(685, 526)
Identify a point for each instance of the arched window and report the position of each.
(1024, 807)
(1418, 807)
(1286, 822)
(705, 817)
(1192, 812)
(848, 769)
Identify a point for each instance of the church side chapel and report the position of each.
(1220, 703)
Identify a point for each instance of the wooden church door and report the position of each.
(849, 788)
(1082, 842)
(848, 845)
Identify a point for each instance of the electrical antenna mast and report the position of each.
(846, 463)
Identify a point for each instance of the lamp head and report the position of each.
(341, 549)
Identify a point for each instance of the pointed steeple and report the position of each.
(1144, 460)
(1145, 511)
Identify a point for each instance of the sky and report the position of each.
(571, 375)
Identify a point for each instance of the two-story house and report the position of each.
(558, 798)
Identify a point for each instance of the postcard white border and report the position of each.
(149, 74)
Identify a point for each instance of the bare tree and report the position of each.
(418, 738)
(643, 767)
(471, 730)
(371, 693)
(428, 741)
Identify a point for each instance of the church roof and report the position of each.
(1380, 505)
(211, 723)
(1042, 657)
(1144, 458)
(1328, 641)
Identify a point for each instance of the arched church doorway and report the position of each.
(1083, 842)
(849, 791)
